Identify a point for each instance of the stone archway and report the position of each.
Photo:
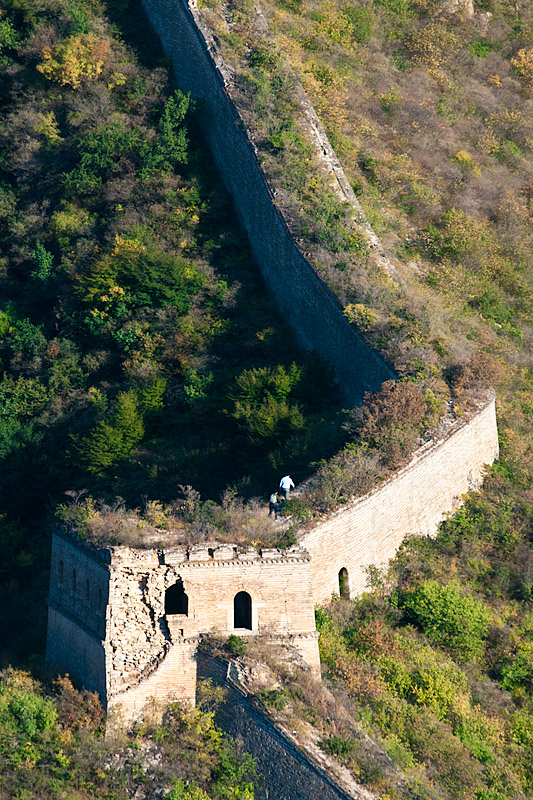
(242, 611)
(344, 583)
(176, 600)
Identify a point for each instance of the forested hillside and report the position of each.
(52, 745)
(139, 352)
(429, 108)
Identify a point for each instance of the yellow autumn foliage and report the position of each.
(77, 59)
(523, 63)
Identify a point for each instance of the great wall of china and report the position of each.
(127, 621)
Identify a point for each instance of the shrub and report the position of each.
(77, 59)
(480, 48)
(350, 473)
(43, 261)
(236, 645)
(170, 147)
(186, 791)
(523, 63)
(337, 746)
(361, 22)
(24, 716)
(448, 617)
(432, 46)
(428, 682)
(465, 160)
(274, 698)
(111, 441)
(476, 375)
(392, 419)
(518, 675)
(261, 404)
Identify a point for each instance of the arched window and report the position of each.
(344, 583)
(176, 601)
(87, 590)
(60, 574)
(242, 611)
(74, 587)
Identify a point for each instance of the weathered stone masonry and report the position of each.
(371, 528)
(137, 645)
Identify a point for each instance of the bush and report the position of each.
(392, 419)
(78, 59)
(448, 617)
(361, 22)
(236, 645)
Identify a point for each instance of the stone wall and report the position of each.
(288, 770)
(70, 646)
(303, 299)
(142, 650)
(77, 607)
(108, 622)
(413, 501)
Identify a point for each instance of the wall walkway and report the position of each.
(289, 771)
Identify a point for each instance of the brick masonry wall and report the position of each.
(141, 651)
(72, 647)
(79, 585)
(287, 770)
(413, 501)
(174, 680)
(303, 299)
(140, 635)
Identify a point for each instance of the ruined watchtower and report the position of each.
(128, 621)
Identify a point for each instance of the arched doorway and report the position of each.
(344, 584)
(176, 601)
(242, 611)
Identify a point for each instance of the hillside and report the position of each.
(124, 275)
(429, 109)
(140, 354)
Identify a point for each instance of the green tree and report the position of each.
(170, 146)
(111, 442)
(43, 261)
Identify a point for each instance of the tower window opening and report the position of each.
(74, 586)
(60, 575)
(344, 584)
(242, 611)
(176, 601)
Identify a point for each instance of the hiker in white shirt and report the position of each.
(285, 485)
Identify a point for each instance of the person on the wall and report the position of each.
(285, 486)
(274, 504)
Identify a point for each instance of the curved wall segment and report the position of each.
(304, 301)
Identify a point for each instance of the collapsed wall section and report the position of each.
(303, 299)
(414, 501)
